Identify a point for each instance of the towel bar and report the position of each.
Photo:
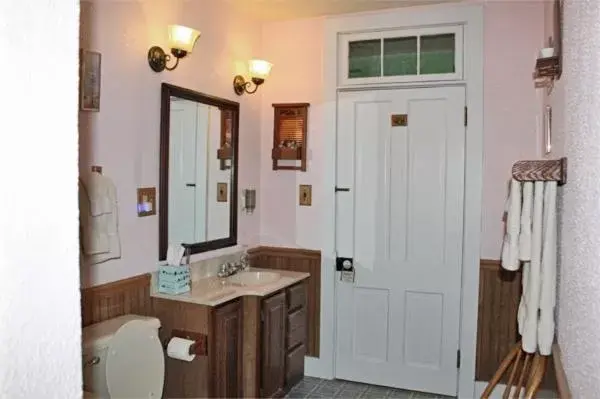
(542, 170)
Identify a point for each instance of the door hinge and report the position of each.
(458, 359)
(466, 115)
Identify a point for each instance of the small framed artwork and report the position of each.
(89, 80)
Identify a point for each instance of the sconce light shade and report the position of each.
(182, 38)
(181, 42)
(259, 70)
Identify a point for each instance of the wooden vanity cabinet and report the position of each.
(256, 346)
(273, 353)
(296, 334)
(219, 372)
(227, 355)
(284, 332)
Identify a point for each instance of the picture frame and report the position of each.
(89, 80)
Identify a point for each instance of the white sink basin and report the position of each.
(254, 278)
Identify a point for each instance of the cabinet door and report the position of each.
(274, 314)
(227, 375)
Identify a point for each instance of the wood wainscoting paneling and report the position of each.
(497, 329)
(114, 299)
(297, 260)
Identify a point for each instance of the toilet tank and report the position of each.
(96, 339)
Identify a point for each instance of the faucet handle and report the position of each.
(223, 269)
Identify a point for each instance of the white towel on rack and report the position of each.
(525, 233)
(510, 247)
(100, 234)
(530, 300)
(548, 272)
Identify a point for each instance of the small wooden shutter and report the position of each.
(289, 135)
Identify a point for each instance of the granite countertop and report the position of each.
(213, 291)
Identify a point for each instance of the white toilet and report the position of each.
(123, 358)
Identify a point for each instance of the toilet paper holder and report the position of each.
(198, 348)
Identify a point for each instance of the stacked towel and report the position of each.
(531, 239)
(99, 219)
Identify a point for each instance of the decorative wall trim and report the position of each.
(103, 302)
(497, 329)
(298, 260)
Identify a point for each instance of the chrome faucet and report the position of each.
(230, 268)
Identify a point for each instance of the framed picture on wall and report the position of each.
(89, 80)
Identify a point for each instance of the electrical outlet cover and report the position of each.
(146, 201)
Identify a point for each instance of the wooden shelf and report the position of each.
(287, 154)
(547, 67)
(290, 130)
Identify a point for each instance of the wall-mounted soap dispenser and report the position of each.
(249, 200)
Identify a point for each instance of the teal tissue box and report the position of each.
(174, 288)
(174, 274)
(174, 279)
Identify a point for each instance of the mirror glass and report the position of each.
(198, 170)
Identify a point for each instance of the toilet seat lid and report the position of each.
(135, 363)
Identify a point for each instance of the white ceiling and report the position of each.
(274, 10)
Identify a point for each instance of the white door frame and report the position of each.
(471, 17)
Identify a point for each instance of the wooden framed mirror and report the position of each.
(198, 170)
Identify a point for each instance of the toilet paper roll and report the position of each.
(179, 348)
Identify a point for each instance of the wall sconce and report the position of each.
(259, 71)
(181, 42)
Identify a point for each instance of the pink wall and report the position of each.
(295, 48)
(124, 136)
(514, 32)
(513, 35)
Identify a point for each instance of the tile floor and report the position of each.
(311, 387)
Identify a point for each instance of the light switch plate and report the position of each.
(146, 201)
(305, 195)
(221, 192)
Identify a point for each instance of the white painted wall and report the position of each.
(124, 136)
(579, 281)
(40, 354)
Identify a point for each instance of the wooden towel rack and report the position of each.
(545, 170)
(526, 375)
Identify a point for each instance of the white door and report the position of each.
(187, 177)
(401, 221)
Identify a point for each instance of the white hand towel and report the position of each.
(99, 192)
(510, 247)
(94, 240)
(530, 300)
(525, 233)
(548, 272)
(103, 228)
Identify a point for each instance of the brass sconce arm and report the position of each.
(241, 86)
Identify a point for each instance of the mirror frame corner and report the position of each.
(168, 90)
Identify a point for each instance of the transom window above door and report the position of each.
(426, 54)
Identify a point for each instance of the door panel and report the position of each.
(228, 351)
(398, 323)
(274, 314)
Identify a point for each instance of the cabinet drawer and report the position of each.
(296, 296)
(296, 328)
(294, 365)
